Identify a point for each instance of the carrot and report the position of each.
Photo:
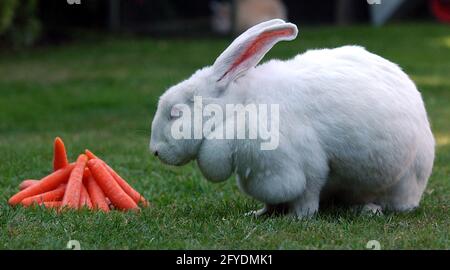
(97, 196)
(136, 196)
(109, 203)
(47, 183)
(73, 190)
(90, 155)
(27, 183)
(59, 154)
(86, 174)
(54, 195)
(84, 198)
(54, 204)
(109, 186)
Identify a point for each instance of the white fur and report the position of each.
(353, 127)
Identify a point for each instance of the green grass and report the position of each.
(102, 95)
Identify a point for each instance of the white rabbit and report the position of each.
(353, 126)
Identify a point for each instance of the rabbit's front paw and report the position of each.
(269, 210)
(306, 206)
(305, 212)
(369, 209)
(372, 209)
(257, 213)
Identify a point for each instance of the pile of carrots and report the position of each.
(88, 182)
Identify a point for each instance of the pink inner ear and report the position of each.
(257, 45)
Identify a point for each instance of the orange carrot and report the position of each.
(136, 196)
(54, 204)
(109, 203)
(73, 190)
(84, 198)
(90, 155)
(27, 183)
(54, 195)
(97, 196)
(86, 174)
(47, 183)
(59, 154)
(109, 186)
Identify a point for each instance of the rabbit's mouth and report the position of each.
(172, 160)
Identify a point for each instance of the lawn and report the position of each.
(101, 94)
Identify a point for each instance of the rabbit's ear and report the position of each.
(249, 48)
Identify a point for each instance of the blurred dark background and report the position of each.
(29, 22)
